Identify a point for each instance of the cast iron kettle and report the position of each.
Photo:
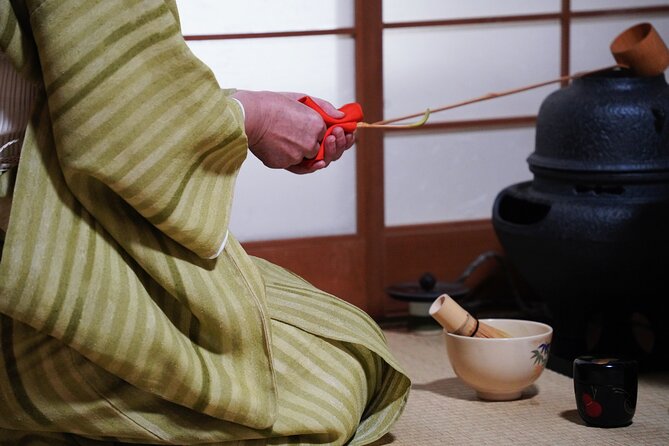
(609, 122)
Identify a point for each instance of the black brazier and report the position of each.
(590, 234)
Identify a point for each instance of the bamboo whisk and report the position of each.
(457, 320)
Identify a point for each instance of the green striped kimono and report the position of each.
(115, 324)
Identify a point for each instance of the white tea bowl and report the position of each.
(499, 369)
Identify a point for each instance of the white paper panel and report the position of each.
(580, 5)
(254, 16)
(272, 204)
(453, 176)
(319, 65)
(432, 67)
(276, 204)
(415, 10)
(591, 39)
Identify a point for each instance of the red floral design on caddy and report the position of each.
(591, 407)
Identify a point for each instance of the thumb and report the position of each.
(328, 108)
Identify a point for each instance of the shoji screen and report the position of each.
(454, 174)
(591, 34)
(474, 48)
(275, 204)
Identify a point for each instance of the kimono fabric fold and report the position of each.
(115, 327)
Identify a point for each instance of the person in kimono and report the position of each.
(128, 313)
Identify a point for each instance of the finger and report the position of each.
(330, 146)
(335, 150)
(314, 151)
(350, 140)
(310, 153)
(340, 138)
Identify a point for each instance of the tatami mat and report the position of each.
(443, 411)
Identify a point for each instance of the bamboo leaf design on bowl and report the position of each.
(540, 355)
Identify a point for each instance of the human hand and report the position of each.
(282, 132)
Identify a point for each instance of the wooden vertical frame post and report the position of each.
(369, 152)
(565, 40)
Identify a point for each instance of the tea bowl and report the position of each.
(499, 369)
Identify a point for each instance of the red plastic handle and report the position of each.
(348, 122)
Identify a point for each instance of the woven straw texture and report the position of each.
(443, 411)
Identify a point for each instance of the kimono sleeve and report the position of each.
(132, 108)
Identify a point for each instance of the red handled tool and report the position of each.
(348, 122)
